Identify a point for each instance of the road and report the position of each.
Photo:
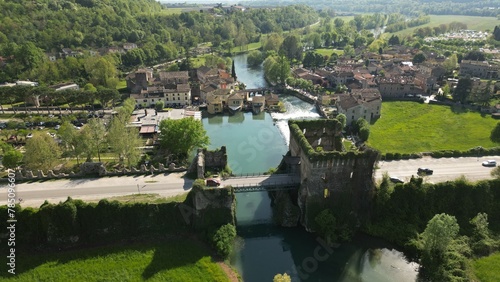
(34, 194)
(444, 168)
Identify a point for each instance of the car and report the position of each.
(213, 182)
(425, 171)
(490, 163)
(396, 180)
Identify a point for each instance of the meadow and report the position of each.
(172, 260)
(487, 269)
(411, 127)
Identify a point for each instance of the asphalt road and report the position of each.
(445, 169)
(34, 194)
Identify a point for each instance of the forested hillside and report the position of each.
(30, 29)
(484, 8)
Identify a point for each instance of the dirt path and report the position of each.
(231, 274)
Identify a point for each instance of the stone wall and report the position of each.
(343, 182)
(217, 158)
(213, 207)
(89, 169)
(204, 159)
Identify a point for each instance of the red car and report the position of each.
(213, 182)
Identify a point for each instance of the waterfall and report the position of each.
(295, 109)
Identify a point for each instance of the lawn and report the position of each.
(328, 52)
(472, 22)
(172, 260)
(408, 127)
(487, 269)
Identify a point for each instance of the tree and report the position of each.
(106, 95)
(71, 140)
(342, 119)
(41, 152)
(292, 48)
(326, 223)
(419, 58)
(282, 278)
(95, 138)
(439, 233)
(223, 239)
(233, 70)
(495, 134)
(159, 106)
(451, 63)
(254, 58)
(273, 42)
(463, 89)
(12, 158)
(189, 130)
(124, 141)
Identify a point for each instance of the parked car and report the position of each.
(424, 171)
(396, 180)
(490, 163)
(213, 182)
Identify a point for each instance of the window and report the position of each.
(145, 101)
(352, 118)
(178, 98)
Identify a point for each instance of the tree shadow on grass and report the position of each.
(168, 254)
(174, 255)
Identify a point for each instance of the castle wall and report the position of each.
(348, 181)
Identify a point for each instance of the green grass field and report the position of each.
(410, 127)
(172, 260)
(474, 23)
(328, 52)
(488, 269)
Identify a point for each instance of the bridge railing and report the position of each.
(267, 185)
(259, 174)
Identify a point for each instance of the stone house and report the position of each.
(360, 103)
(481, 69)
(398, 86)
(235, 101)
(171, 96)
(215, 104)
(174, 77)
(139, 80)
(428, 75)
(272, 99)
(258, 103)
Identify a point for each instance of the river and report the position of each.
(256, 143)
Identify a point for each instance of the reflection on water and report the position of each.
(253, 145)
(237, 117)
